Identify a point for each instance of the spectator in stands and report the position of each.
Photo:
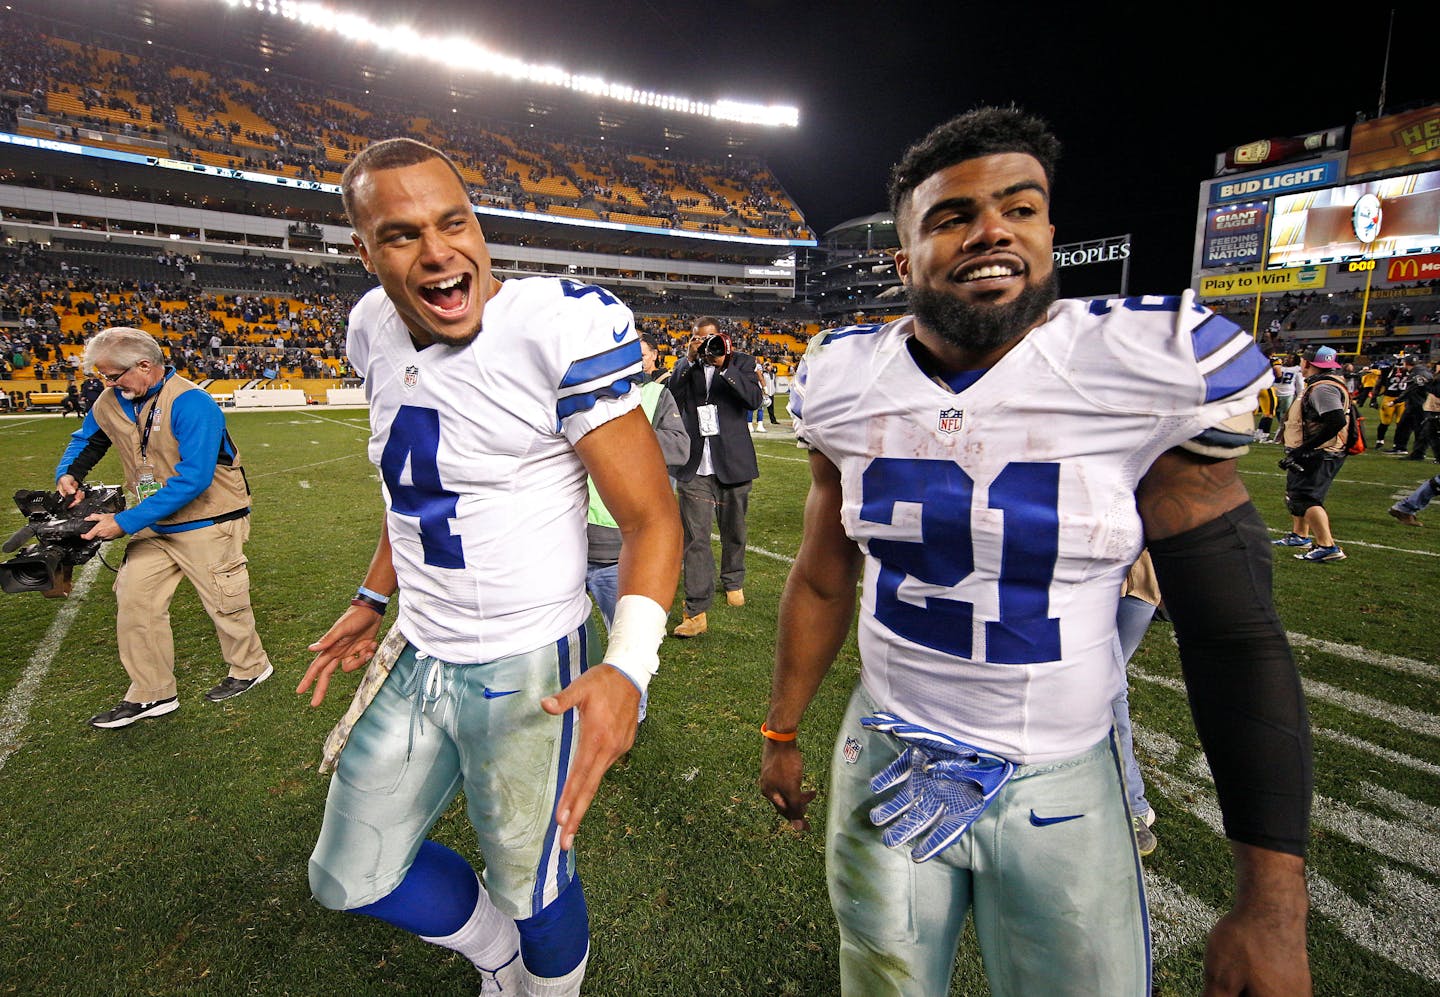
(191, 519)
(717, 390)
(90, 389)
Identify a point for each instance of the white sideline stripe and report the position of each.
(1177, 919)
(15, 711)
(1367, 706)
(1394, 662)
(18, 421)
(1349, 740)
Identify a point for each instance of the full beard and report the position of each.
(980, 328)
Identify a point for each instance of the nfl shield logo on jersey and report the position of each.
(950, 419)
(412, 376)
(851, 751)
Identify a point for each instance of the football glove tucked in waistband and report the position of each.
(944, 785)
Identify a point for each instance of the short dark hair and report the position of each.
(984, 131)
(388, 154)
(701, 323)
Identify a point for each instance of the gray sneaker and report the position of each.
(1144, 837)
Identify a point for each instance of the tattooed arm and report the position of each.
(1183, 490)
(1212, 557)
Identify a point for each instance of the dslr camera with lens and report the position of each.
(57, 529)
(715, 346)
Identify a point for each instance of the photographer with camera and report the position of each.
(716, 388)
(1313, 434)
(191, 517)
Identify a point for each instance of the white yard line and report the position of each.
(1367, 706)
(1177, 919)
(302, 467)
(1406, 666)
(15, 711)
(1396, 921)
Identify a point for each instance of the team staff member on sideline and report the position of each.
(1314, 438)
(994, 530)
(489, 404)
(192, 518)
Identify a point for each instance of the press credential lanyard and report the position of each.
(145, 483)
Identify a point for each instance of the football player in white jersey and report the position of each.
(975, 770)
(489, 404)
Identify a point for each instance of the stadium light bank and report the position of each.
(457, 50)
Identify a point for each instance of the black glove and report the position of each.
(1300, 460)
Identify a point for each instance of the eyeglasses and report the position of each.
(114, 378)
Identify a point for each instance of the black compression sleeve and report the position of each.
(1244, 690)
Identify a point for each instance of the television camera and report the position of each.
(57, 530)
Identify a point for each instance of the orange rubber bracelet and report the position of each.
(772, 735)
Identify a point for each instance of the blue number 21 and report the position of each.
(1027, 495)
(415, 437)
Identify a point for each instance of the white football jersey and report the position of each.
(486, 497)
(998, 522)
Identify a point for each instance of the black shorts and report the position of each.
(1308, 487)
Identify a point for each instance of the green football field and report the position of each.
(170, 857)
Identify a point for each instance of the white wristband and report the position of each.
(635, 636)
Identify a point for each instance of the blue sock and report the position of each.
(436, 897)
(554, 941)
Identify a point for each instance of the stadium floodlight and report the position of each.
(464, 54)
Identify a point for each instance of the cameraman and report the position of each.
(191, 518)
(1314, 437)
(716, 389)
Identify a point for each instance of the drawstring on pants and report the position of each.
(424, 692)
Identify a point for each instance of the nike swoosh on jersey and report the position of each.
(1039, 821)
(492, 694)
(620, 334)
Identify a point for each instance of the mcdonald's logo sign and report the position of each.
(1405, 268)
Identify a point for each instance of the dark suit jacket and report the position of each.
(735, 392)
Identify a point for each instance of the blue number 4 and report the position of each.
(1027, 494)
(415, 438)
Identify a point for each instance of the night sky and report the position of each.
(1141, 106)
